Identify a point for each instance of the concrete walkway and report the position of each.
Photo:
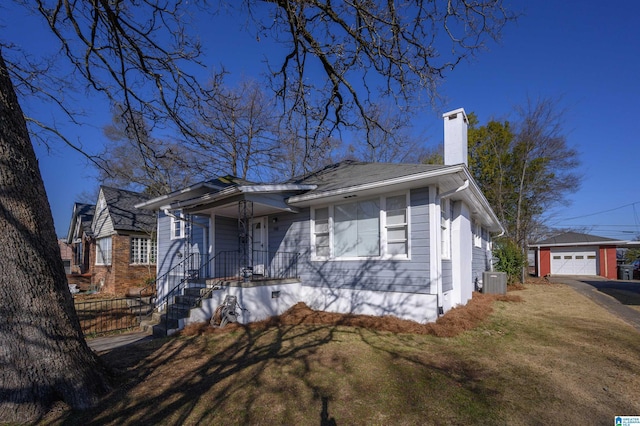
(101, 344)
(595, 289)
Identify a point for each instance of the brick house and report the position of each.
(66, 254)
(114, 243)
(80, 237)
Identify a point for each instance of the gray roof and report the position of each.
(125, 217)
(84, 213)
(229, 180)
(353, 173)
(573, 238)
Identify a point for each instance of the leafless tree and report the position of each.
(524, 167)
(393, 141)
(137, 160)
(237, 130)
(340, 57)
(43, 355)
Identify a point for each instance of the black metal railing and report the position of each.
(109, 315)
(260, 265)
(225, 265)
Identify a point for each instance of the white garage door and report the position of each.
(572, 261)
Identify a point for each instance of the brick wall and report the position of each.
(120, 275)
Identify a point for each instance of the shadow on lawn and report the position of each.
(182, 372)
(428, 380)
(217, 373)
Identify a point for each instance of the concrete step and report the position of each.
(195, 291)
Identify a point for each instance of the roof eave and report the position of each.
(306, 199)
(585, 243)
(156, 203)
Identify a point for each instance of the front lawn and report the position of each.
(553, 358)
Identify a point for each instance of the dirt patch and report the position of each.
(454, 322)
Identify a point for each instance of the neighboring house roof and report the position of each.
(577, 239)
(82, 213)
(120, 204)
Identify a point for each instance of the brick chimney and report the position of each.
(455, 137)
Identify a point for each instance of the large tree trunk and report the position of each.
(43, 354)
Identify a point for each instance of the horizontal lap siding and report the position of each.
(289, 232)
(226, 234)
(409, 276)
(102, 223)
(481, 261)
(167, 248)
(447, 277)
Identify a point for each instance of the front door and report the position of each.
(259, 249)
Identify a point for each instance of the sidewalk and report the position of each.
(588, 286)
(101, 344)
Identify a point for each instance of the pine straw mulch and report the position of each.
(451, 324)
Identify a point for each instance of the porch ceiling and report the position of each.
(262, 206)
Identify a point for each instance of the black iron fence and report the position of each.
(102, 316)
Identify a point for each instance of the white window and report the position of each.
(356, 229)
(103, 251)
(397, 225)
(445, 226)
(372, 228)
(143, 251)
(178, 227)
(477, 235)
(321, 232)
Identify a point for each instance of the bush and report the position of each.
(510, 259)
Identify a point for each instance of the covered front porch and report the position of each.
(213, 241)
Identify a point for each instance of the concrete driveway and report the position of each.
(616, 296)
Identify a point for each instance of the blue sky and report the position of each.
(586, 53)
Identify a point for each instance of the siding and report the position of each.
(481, 260)
(102, 224)
(410, 276)
(172, 251)
(167, 248)
(447, 278)
(226, 234)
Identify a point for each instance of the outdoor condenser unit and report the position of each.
(494, 282)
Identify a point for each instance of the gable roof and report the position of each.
(355, 173)
(84, 213)
(335, 182)
(353, 178)
(120, 204)
(576, 239)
